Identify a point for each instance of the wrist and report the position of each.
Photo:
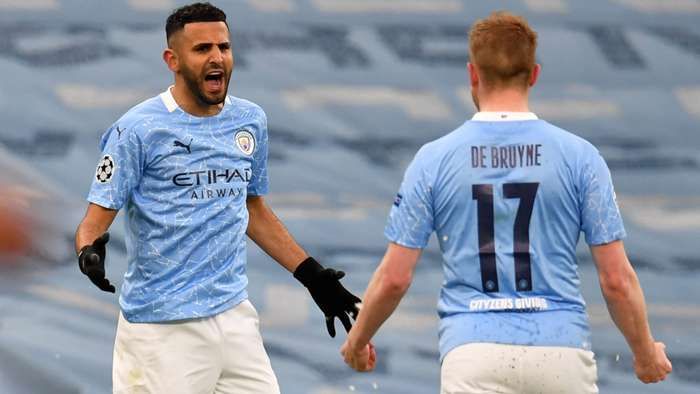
(82, 250)
(646, 351)
(353, 344)
(307, 271)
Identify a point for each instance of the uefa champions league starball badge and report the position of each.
(105, 169)
(245, 141)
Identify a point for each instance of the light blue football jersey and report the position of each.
(508, 195)
(183, 181)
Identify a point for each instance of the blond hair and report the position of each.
(502, 47)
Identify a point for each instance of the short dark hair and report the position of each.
(191, 13)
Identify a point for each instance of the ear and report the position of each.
(473, 75)
(170, 58)
(535, 74)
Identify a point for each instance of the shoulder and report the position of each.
(570, 144)
(577, 153)
(431, 155)
(140, 117)
(132, 127)
(451, 142)
(246, 109)
(573, 149)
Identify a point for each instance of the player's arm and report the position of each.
(625, 299)
(90, 240)
(387, 287)
(268, 232)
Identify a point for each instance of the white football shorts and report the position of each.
(218, 354)
(478, 368)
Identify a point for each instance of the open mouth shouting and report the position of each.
(214, 82)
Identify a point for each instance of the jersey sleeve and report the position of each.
(410, 221)
(259, 182)
(119, 168)
(601, 221)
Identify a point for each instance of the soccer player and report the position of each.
(508, 195)
(190, 168)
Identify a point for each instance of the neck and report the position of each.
(190, 103)
(505, 100)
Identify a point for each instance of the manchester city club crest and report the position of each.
(245, 141)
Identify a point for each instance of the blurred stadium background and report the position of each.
(352, 88)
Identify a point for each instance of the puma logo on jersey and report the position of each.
(119, 132)
(182, 145)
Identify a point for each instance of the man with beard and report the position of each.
(190, 168)
(508, 195)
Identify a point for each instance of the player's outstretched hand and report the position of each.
(332, 298)
(91, 261)
(361, 360)
(655, 367)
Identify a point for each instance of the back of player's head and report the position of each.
(502, 46)
(191, 13)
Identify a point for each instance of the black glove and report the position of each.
(91, 261)
(330, 296)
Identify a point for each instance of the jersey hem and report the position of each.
(403, 243)
(232, 303)
(103, 203)
(257, 194)
(560, 328)
(617, 237)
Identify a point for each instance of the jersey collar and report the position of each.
(503, 116)
(171, 104)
